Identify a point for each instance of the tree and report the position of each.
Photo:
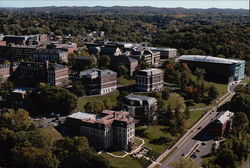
(107, 103)
(241, 102)
(212, 93)
(165, 93)
(184, 80)
(185, 163)
(175, 101)
(94, 107)
(48, 99)
(240, 123)
(31, 157)
(75, 152)
(15, 120)
(104, 62)
(200, 74)
(77, 89)
(122, 70)
(225, 158)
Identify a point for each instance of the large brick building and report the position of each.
(15, 53)
(111, 129)
(149, 79)
(52, 55)
(98, 81)
(17, 40)
(33, 73)
(6, 70)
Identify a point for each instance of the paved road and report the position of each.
(188, 140)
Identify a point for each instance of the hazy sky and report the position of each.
(235, 4)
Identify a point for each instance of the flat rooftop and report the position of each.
(151, 71)
(161, 49)
(210, 59)
(224, 117)
(82, 116)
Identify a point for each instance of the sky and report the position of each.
(234, 4)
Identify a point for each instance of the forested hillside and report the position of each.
(217, 32)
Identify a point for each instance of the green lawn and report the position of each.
(222, 88)
(112, 96)
(125, 81)
(52, 132)
(194, 116)
(127, 162)
(193, 105)
(156, 137)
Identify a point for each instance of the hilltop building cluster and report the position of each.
(30, 60)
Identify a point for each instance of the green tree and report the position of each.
(104, 62)
(212, 93)
(175, 101)
(94, 107)
(240, 123)
(107, 103)
(48, 99)
(241, 102)
(77, 89)
(75, 152)
(199, 73)
(184, 80)
(15, 120)
(122, 70)
(31, 157)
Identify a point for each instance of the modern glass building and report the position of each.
(226, 70)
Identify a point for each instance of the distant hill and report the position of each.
(133, 10)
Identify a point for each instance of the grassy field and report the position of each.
(83, 100)
(125, 82)
(194, 116)
(156, 137)
(222, 89)
(127, 162)
(52, 132)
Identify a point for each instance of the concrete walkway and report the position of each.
(127, 153)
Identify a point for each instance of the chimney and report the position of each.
(47, 64)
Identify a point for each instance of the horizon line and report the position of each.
(119, 6)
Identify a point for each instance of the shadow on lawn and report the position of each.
(141, 133)
(160, 141)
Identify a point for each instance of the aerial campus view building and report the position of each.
(110, 129)
(97, 81)
(227, 70)
(140, 106)
(149, 79)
